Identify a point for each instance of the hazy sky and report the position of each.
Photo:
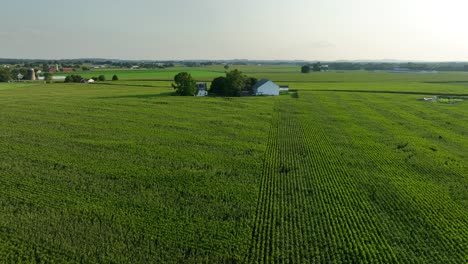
(242, 29)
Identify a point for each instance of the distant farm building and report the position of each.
(54, 69)
(67, 70)
(265, 87)
(202, 89)
(284, 88)
(87, 81)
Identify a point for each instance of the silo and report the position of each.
(32, 74)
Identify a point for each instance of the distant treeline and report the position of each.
(78, 64)
(436, 66)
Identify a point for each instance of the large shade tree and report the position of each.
(184, 84)
(235, 83)
(218, 85)
(5, 74)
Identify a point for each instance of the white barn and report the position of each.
(265, 87)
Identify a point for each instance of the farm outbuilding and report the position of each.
(284, 88)
(87, 81)
(266, 87)
(202, 89)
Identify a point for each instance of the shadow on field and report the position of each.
(390, 92)
(137, 96)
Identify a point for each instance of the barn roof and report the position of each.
(260, 83)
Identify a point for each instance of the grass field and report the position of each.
(290, 74)
(351, 169)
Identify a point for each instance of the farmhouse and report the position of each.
(202, 89)
(265, 87)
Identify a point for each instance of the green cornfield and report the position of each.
(351, 168)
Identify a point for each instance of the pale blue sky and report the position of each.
(242, 29)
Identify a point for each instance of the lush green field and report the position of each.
(351, 169)
(102, 173)
(364, 178)
(290, 74)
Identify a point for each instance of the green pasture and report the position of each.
(290, 74)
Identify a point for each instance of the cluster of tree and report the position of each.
(233, 84)
(12, 74)
(200, 63)
(73, 78)
(5, 74)
(48, 77)
(153, 65)
(316, 67)
(184, 84)
(20, 71)
(77, 78)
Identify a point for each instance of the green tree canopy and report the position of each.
(235, 83)
(218, 85)
(115, 77)
(316, 67)
(48, 77)
(305, 69)
(5, 74)
(184, 84)
(73, 78)
(249, 84)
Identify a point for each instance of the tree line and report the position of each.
(77, 78)
(233, 84)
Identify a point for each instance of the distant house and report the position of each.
(265, 87)
(52, 70)
(202, 89)
(67, 70)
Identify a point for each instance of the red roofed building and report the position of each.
(67, 70)
(52, 70)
